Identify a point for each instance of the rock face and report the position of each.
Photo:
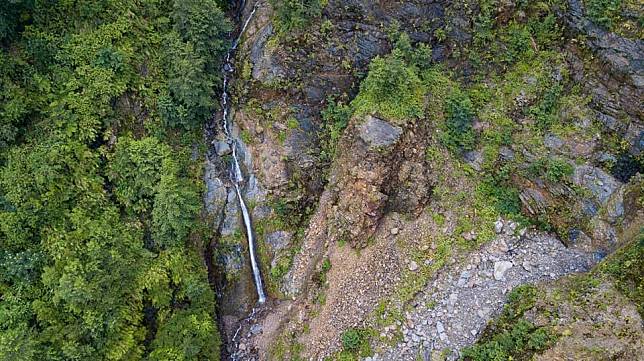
(378, 133)
(380, 181)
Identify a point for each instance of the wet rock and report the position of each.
(222, 148)
(500, 267)
(378, 133)
(215, 195)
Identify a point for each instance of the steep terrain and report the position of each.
(321, 180)
(418, 160)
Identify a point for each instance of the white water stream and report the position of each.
(236, 175)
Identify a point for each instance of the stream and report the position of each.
(236, 175)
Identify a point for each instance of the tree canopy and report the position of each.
(101, 106)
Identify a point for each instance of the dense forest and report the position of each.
(102, 107)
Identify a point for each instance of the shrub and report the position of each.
(391, 89)
(458, 134)
(293, 15)
(552, 169)
(604, 12)
(352, 340)
(336, 118)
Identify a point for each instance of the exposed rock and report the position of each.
(601, 184)
(266, 67)
(378, 133)
(498, 226)
(500, 268)
(413, 266)
(279, 240)
(475, 159)
(222, 148)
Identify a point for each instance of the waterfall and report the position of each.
(236, 176)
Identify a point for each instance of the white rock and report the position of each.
(394, 231)
(498, 226)
(439, 327)
(500, 268)
(413, 266)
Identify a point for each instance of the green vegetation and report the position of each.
(458, 133)
(621, 16)
(552, 169)
(336, 118)
(392, 89)
(101, 106)
(355, 344)
(511, 337)
(626, 268)
(295, 15)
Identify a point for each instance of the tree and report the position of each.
(176, 207)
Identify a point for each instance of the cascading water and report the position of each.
(236, 176)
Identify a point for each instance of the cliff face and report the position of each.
(394, 212)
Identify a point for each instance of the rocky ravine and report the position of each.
(453, 310)
(374, 218)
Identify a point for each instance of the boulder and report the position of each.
(378, 133)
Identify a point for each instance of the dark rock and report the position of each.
(600, 183)
(475, 159)
(552, 141)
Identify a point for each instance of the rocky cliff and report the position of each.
(413, 162)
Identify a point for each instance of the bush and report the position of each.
(391, 89)
(604, 12)
(352, 340)
(552, 169)
(293, 15)
(355, 341)
(458, 134)
(336, 118)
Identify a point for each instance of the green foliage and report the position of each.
(552, 169)
(356, 341)
(545, 113)
(626, 267)
(511, 337)
(501, 194)
(135, 171)
(336, 118)
(604, 12)
(458, 134)
(95, 212)
(13, 14)
(176, 207)
(295, 15)
(519, 343)
(391, 89)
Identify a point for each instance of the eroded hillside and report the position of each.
(418, 160)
